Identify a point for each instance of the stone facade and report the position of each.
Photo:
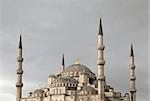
(78, 83)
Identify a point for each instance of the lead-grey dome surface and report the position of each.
(39, 91)
(66, 80)
(52, 76)
(77, 67)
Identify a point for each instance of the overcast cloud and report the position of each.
(52, 27)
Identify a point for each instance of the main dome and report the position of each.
(77, 68)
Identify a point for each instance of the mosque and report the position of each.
(77, 82)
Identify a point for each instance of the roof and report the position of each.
(52, 76)
(39, 91)
(95, 82)
(88, 88)
(66, 80)
(77, 67)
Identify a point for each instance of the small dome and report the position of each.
(77, 67)
(52, 76)
(39, 92)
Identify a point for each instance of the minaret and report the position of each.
(100, 64)
(132, 76)
(19, 72)
(63, 63)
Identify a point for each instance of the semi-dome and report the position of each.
(77, 67)
(66, 81)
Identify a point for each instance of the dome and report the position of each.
(52, 76)
(76, 70)
(39, 92)
(66, 80)
(77, 67)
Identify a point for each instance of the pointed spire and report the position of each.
(131, 53)
(63, 60)
(20, 42)
(100, 28)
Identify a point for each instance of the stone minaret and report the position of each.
(19, 72)
(100, 64)
(63, 63)
(132, 76)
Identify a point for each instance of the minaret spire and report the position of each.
(100, 64)
(63, 62)
(132, 53)
(132, 75)
(100, 28)
(19, 72)
(20, 42)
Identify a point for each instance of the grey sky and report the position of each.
(52, 27)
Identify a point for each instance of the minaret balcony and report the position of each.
(132, 78)
(132, 66)
(19, 71)
(19, 59)
(100, 62)
(132, 90)
(101, 78)
(19, 84)
(100, 47)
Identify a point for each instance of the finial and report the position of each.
(20, 42)
(63, 60)
(131, 53)
(77, 61)
(100, 28)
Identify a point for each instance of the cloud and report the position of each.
(50, 28)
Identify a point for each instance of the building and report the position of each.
(77, 82)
